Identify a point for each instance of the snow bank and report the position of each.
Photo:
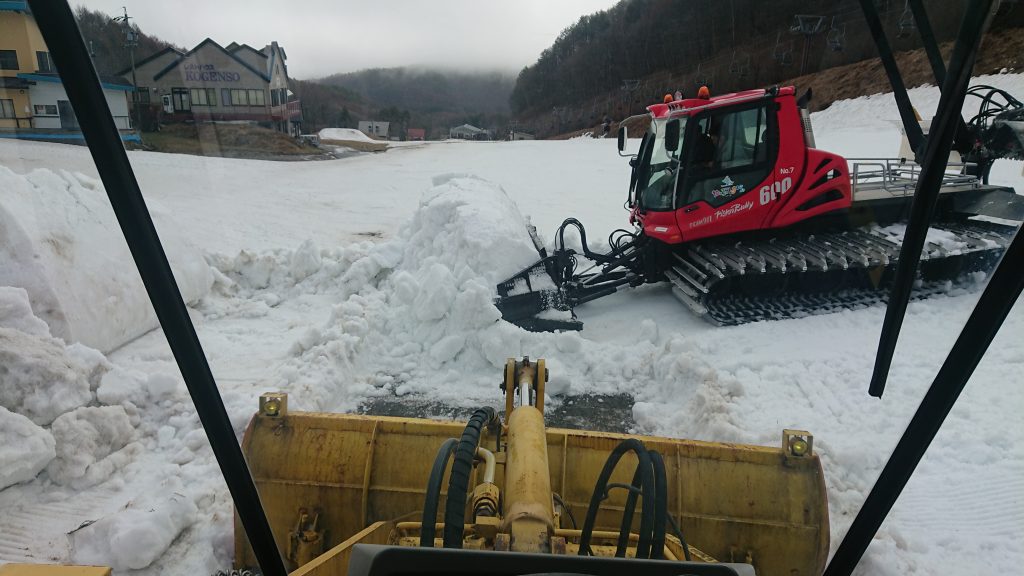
(59, 241)
(25, 449)
(345, 134)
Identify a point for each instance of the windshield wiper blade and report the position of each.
(940, 140)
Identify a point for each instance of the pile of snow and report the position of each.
(62, 244)
(72, 418)
(409, 305)
(345, 134)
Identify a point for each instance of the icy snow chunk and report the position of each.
(305, 261)
(92, 444)
(119, 386)
(134, 538)
(448, 347)
(62, 244)
(558, 385)
(25, 449)
(436, 295)
(38, 379)
(16, 312)
(649, 330)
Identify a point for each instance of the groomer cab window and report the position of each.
(656, 179)
(731, 153)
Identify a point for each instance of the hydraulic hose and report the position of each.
(660, 506)
(458, 481)
(635, 488)
(646, 472)
(427, 528)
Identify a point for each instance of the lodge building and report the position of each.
(216, 83)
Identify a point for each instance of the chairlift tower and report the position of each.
(807, 25)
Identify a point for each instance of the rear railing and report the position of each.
(877, 178)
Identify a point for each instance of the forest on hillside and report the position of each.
(726, 44)
(433, 99)
(106, 38)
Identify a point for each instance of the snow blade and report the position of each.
(524, 311)
(523, 308)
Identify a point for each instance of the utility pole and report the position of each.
(131, 40)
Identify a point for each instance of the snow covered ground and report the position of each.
(370, 278)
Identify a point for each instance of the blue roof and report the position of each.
(14, 5)
(56, 79)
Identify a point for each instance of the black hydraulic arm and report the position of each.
(62, 37)
(914, 133)
(999, 296)
(954, 90)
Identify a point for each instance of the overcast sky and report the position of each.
(327, 36)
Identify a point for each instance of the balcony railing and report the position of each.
(290, 111)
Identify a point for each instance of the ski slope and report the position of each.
(370, 278)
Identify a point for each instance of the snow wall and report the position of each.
(59, 241)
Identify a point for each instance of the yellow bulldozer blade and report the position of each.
(330, 481)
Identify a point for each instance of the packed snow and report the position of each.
(345, 134)
(371, 277)
(63, 245)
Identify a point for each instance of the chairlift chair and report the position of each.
(836, 36)
(907, 25)
(782, 54)
(703, 77)
(739, 67)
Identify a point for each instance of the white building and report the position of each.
(374, 128)
(52, 110)
(469, 132)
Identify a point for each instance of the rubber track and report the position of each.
(799, 275)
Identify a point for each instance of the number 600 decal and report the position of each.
(769, 193)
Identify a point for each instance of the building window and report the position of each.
(44, 62)
(46, 109)
(7, 108)
(204, 96)
(8, 60)
(225, 97)
(239, 98)
(275, 99)
(141, 95)
(180, 98)
(257, 98)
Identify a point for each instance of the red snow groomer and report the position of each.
(736, 208)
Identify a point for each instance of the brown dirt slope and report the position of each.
(1000, 49)
(228, 141)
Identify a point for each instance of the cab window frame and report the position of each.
(684, 184)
